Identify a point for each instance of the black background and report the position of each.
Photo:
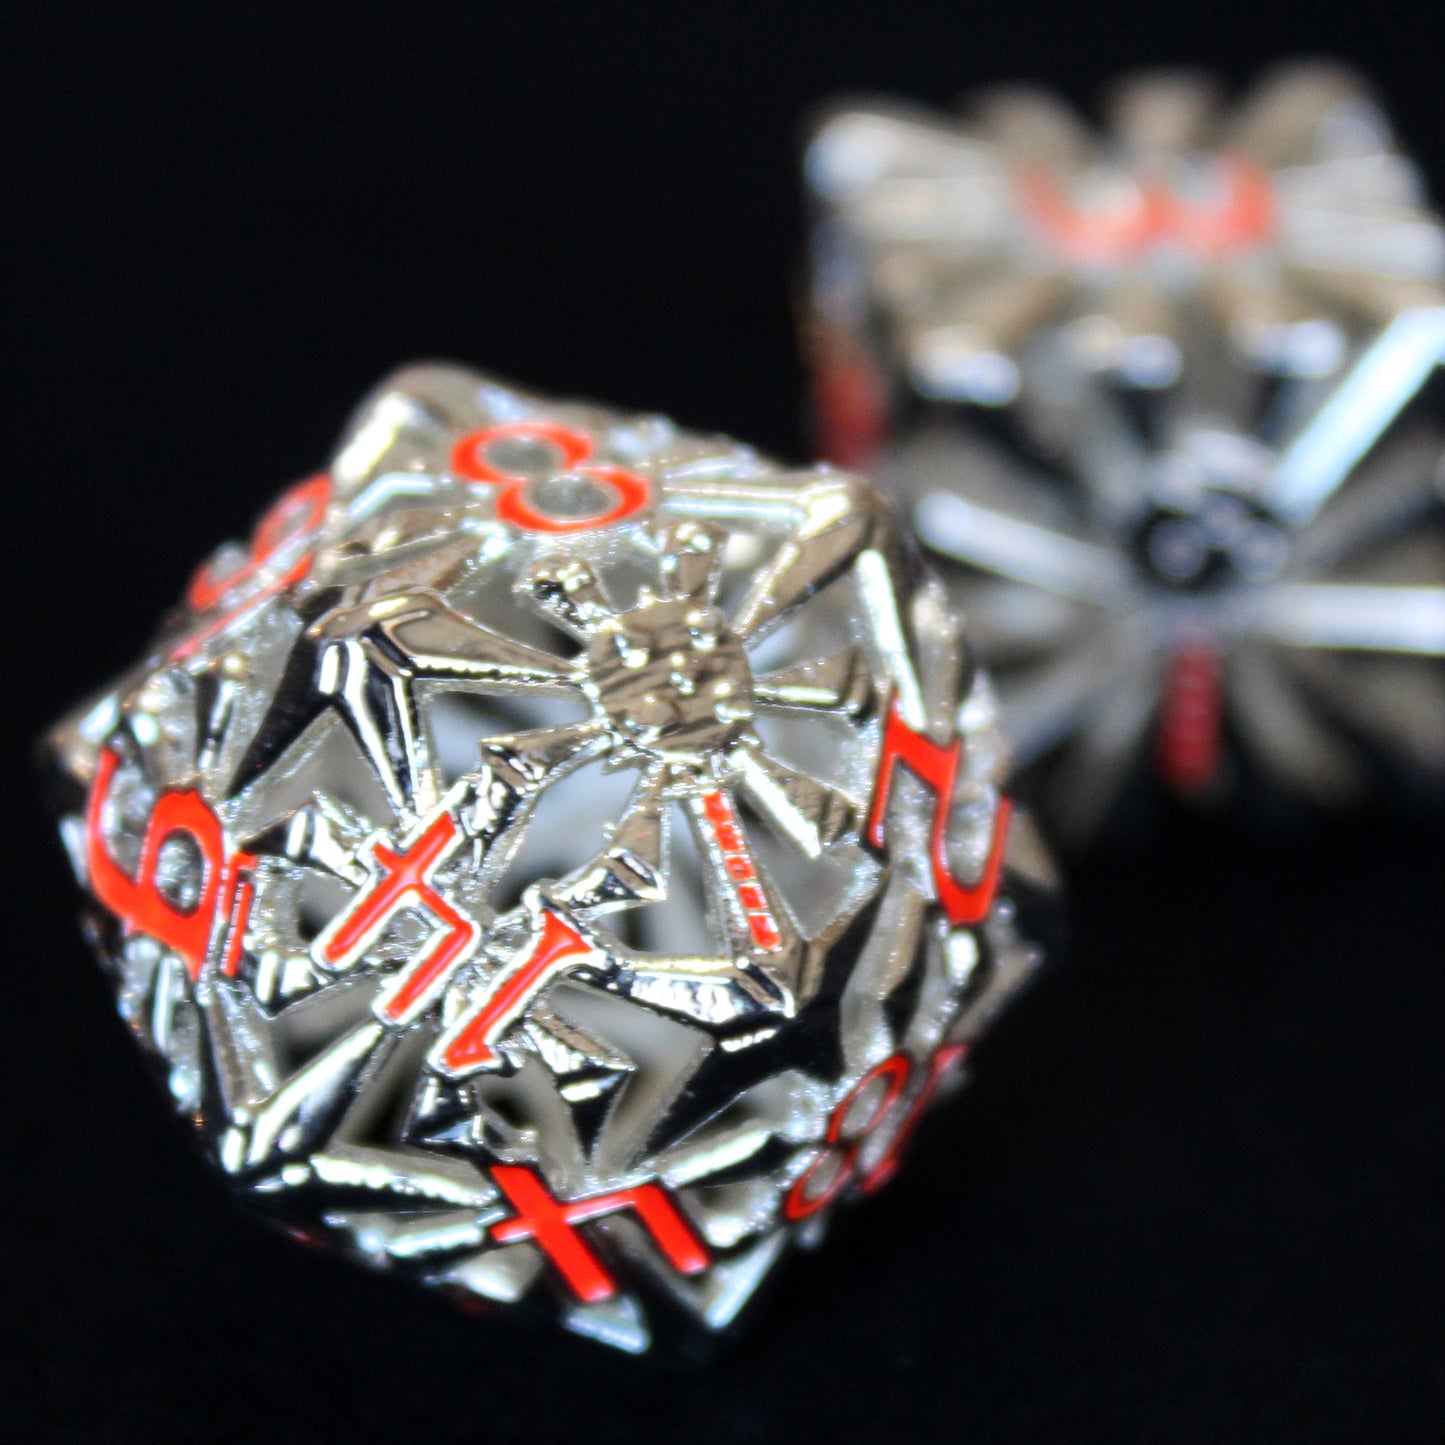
(1198, 1192)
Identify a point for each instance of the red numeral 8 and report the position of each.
(847, 1135)
(574, 448)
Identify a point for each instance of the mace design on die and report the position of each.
(559, 857)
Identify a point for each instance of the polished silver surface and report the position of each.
(1164, 401)
(558, 857)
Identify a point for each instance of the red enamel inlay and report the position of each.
(294, 516)
(938, 767)
(847, 1134)
(403, 879)
(1190, 744)
(850, 405)
(574, 449)
(224, 893)
(552, 1225)
(752, 899)
(472, 1045)
(1151, 214)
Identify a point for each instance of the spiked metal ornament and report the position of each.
(1164, 405)
(559, 857)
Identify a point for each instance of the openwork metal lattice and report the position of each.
(1163, 400)
(558, 856)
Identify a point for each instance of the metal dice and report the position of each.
(1164, 402)
(558, 857)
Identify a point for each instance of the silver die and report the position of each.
(1163, 402)
(558, 857)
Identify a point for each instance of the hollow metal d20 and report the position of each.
(1165, 403)
(558, 857)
